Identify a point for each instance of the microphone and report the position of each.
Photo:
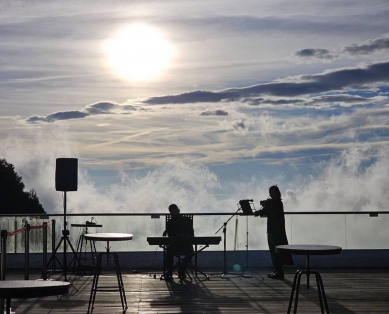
(247, 200)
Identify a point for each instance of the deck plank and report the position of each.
(348, 291)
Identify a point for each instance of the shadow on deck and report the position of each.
(348, 291)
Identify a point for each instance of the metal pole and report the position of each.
(3, 253)
(247, 243)
(3, 259)
(64, 234)
(44, 271)
(53, 243)
(16, 236)
(225, 248)
(27, 253)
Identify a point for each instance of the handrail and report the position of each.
(47, 216)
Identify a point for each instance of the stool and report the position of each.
(120, 286)
(308, 249)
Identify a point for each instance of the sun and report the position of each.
(139, 52)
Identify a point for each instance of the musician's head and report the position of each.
(274, 192)
(173, 209)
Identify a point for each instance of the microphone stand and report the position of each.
(224, 227)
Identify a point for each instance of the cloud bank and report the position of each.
(354, 179)
(98, 108)
(343, 80)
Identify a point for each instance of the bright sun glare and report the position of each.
(139, 52)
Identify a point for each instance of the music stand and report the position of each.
(247, 210)
(246, 206)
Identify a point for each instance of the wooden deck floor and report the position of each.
(348, 291)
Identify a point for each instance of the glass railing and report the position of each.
(348, 230)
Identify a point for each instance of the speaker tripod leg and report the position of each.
(65, 240)
(65, 262)
(53, 256)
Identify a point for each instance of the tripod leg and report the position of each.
(75, 254)
(54, 254)
(225, 249)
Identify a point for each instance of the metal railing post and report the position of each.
(53, 243)
(2, 266)
(44, 271)
(3, 253)
(16, 236)
(27, 253)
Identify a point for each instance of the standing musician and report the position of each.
(176, 228)
(273, 209)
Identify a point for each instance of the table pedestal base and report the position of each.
(120, 287)
(296, 287)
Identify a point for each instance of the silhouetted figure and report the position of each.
(273, 209)
(177, 226)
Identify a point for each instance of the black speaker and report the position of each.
(66, 178)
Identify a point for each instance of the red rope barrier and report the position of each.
(11, 233)
(16, 231)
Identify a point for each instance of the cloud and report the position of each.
(218, 112)
(336, 80)
(273, 101)
(358, 174)
(191, 97)
(318, 101)
(370, 46)
(318, 53)
(340, 98)
(282, 91)
(356, 180)
(62, 115)
(344, 100)
(90, 110)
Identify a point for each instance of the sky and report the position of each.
(199, 103)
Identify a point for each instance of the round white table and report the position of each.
(308, 250)
(107, 237)
(31, 289)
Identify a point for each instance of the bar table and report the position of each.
(308, 250)
(107, 237)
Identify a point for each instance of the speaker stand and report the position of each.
(64, 240)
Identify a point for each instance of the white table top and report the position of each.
(108, 236)
(308, 249)
(32, 288)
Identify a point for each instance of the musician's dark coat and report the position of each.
(179, 226)
(273, 209)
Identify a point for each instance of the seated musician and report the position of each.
(176, 227)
